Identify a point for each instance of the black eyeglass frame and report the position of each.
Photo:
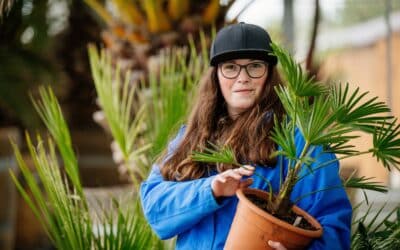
(241, 66)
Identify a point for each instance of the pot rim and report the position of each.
(310, 233)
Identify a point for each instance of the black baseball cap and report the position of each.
(241, 40)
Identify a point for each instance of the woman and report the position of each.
(235, 106)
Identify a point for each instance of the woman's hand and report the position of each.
(227, 182)
(276, 245)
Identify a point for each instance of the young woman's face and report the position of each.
(241, 90)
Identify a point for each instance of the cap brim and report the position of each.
(244, 54)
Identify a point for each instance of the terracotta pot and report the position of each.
(252, 227)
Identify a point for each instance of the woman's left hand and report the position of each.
(276, 245)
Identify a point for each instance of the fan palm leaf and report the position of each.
(386, 144)
(351, 110)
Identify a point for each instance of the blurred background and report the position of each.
(44, 42)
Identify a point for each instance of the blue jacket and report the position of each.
(189, 210)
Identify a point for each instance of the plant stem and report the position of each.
(282, 203)
(291, 178)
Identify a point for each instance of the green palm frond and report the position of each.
(116, 99)
(341, 148)
(60, 210)
(300, 83)
(50, 112)
(353, 111)
(364, 183)
(216, 154)
(386, 143)
(360, 240)
(383, 234)
(125, 229)
(318, 125)
(225, 155)
(288, 99)
(282, 135)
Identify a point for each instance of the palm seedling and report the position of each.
(59, 202)
(116, 97)
(327, 116)
(61, 208)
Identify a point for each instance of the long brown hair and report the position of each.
(248, 135)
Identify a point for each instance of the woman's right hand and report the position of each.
(227, 182)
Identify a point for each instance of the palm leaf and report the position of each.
(115, 98)
(124, 227)
(340, 147)
(288, 99)
(50, 112)
(281, 135)
(300, 83)
(216, 154)
(364, 183)
(383, 234)
(353, 111)
(387, 144)
(60, 210)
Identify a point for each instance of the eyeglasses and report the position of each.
(232, 70)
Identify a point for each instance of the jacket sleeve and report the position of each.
(330, 206)
(173, 207)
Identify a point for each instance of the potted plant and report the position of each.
(326, 116)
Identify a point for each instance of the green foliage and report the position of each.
(61, 211)
(169, 95)
(62, 208)
(126, 230)
(50, 112)
(282, 132)
(383, 234)
(348, 110)
(327, 117)
(116, 97)
(330, 119)
(162, 103)
(387, 144)
(216, 154)
(365, 183)
(299, 83)
(225, 155)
